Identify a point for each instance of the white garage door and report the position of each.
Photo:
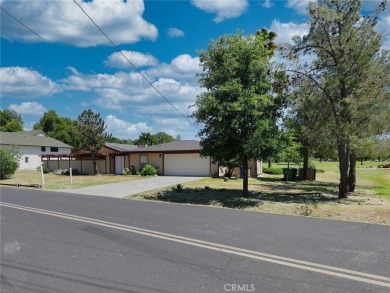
(186, 165)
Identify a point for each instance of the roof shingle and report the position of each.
(30, 138)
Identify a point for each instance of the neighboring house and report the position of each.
(181, 158)
(31, 144)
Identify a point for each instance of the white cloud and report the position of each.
(119, 80)
(64, 22)
(116, 60)
(128, 91)
(299, 5)
(174, 32)
(185, 63)
(171, 123)
(267, 4)
(384, 28)
(28, 108)
(222, 8)
(124, 129)
(285, 31)
(182, 67)
(21, 82)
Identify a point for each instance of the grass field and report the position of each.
(53, 181)
(268, 193)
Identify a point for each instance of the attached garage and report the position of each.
(186, 165)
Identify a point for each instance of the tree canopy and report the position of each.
(57, 127)
(349, 72)
(237, 109)
(10, 121)
(90, 133)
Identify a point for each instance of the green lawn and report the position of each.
(53, 181)
(269, 193)
(369, 177)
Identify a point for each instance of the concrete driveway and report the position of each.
(122, 189)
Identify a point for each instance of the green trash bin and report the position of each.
(290, 174)
(293, 174)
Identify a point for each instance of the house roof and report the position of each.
(177, 145)
(120, 146)
(181, 146)
(30, 138)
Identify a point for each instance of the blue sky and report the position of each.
(75, 68)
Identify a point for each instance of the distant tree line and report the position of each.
(65, 129)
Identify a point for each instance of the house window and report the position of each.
(54, 149)
(43, 149)
(26, 160)
(143, 160)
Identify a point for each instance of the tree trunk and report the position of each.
(343, 155)
(245, 191)
(305, 152)
(352, 172)
(361, 162)
(269, 163)
(95, 171)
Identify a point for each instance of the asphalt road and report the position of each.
(100, 244)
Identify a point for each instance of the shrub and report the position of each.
(148, 170)
(58, 172)
(133, 171)
(179, 187)
(66, 172)
(44, 168)
(273, 171)
(8, 164)
(126, 171)
(320, 171)
(311, 164)
(385, 165)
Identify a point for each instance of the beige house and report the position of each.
(177, 158)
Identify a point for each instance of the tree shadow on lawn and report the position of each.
(232, 198)
(299, 186)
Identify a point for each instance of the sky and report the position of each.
(76, 68)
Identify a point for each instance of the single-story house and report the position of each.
(181, 158)
(31, 145)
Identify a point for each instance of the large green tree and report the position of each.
(146, 138)
(309, 122)
(163, 137)
(237, 110)
(10, 121)
(349, 71)
(48, 121)
(55, 126)
(90, 133)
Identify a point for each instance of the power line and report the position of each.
(22, 23)
(135, 68)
